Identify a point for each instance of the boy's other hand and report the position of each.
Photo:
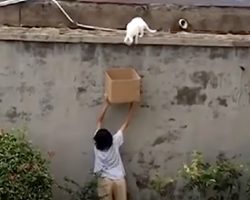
(131, 105)
(106, 98)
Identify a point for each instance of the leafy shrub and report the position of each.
(248, 189)
(77, 192)
(24, 173)
(165, 187)
(217, 181)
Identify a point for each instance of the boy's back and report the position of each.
(108, 162)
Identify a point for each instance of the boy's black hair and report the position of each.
(103, 139)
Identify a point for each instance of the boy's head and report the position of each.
(103, 139)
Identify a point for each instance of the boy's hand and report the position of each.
(131, 105)
(106, 98)
(107, 101)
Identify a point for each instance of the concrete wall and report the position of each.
(190, 101)
(202, 18)
(235, 3)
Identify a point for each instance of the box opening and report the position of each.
(122, 74)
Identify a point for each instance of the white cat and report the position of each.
(135, 29)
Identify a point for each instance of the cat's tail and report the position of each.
(150, 30)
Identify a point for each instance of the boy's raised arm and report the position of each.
(101, 117)
(128, 118)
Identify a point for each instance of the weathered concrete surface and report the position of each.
(190, 101)
(10, 16)
(234, 3)
(116, 37)
(164, 17)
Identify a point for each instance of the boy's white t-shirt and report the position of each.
(109, 163)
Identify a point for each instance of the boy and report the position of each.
(108, 163)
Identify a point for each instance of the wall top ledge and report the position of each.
(63, 35)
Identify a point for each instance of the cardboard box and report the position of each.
(122, 85)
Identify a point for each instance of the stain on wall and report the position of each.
(12, 115)
(190, 96)
(190, 100)
(202, 78)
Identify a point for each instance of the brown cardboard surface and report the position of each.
(122, 85)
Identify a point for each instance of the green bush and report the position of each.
(164, 186)
(24, 173)
(248, 189)
(77, 192)
(213, 181)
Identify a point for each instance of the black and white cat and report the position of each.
(135, 29)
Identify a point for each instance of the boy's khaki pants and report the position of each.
(112, 189)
